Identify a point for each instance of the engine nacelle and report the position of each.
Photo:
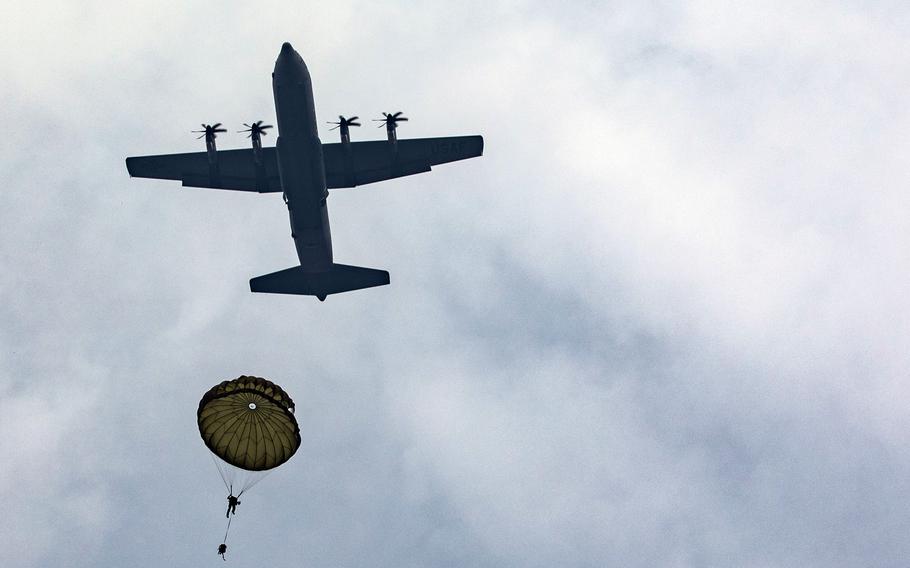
(344, 127)
(209, 132)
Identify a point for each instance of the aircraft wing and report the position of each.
(368, 162)
(235, 169)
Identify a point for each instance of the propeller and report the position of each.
(256, 128)
(209, 130)
(343, 122)
(390, 120)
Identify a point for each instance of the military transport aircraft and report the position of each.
(304, 169)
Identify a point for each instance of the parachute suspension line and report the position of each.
(221, 473)
(255, 481)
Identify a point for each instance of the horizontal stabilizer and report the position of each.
(341, 278)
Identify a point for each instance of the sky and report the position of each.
(663, 321)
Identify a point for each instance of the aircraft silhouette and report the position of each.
(304, 169)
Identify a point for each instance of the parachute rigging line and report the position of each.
(221, 473)
(253, 483)
(224, 540)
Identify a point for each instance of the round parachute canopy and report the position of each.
(249, 423)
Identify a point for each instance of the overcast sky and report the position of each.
(663, 321)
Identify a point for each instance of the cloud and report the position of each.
(661, 322)
(50, 478)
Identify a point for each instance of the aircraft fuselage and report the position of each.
(300, 161)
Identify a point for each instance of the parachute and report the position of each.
(249, 426)
(249, 423)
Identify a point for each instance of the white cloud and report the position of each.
(50, 478)
(661, 322)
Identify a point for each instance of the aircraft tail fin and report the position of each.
(340, 278)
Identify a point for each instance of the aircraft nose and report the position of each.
(290, 66)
